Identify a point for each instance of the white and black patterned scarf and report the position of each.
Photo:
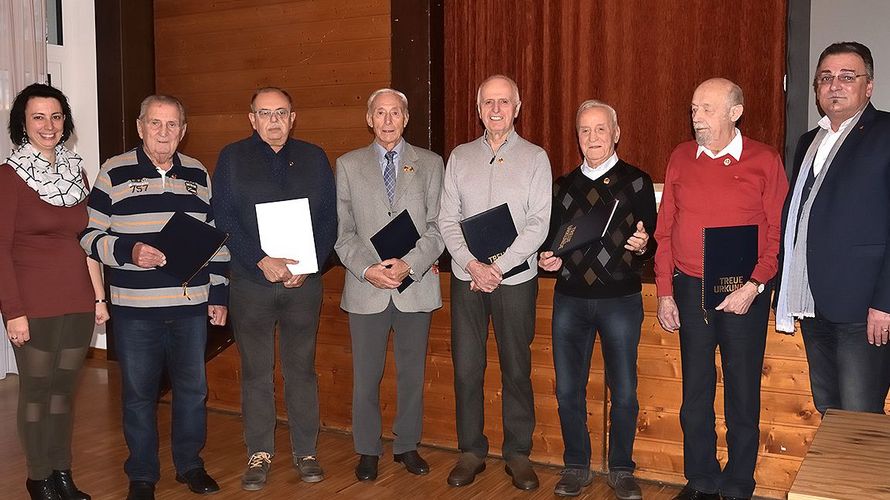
(60, 183)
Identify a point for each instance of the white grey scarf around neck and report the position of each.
(60, 184)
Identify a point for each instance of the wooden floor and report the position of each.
(99, 453)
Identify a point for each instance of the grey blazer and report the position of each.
(363, 209)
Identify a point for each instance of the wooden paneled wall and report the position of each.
(644, 58)
(328, 55)
(788, 418)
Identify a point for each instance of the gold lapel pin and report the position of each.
(408, 168)
(606, 181)
(500, 160)
(727, 162)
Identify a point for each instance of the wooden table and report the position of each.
(849, 458)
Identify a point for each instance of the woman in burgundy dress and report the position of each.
(51, 294)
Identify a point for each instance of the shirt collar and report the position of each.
(734, 148)
(825, 123)
(507, 142)
(594, 173)
(381, 152)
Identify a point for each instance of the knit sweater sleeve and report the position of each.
(11, 304)
(113, 250)
(773, 199)
(225, 201)
(537, 216)
(664, 256)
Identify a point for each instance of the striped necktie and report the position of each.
(389, 175)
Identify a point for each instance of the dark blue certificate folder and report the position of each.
(188, 244)
(729, 255)
(488, 234)
(395, 240)
(584, 230)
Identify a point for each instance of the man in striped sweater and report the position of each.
(159, 323)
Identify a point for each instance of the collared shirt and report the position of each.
(734, 148)
(829, 140)
(381, 155)
(594, 173)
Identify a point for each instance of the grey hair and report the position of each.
(403, 100)
(162, 99)
(513, 87)
(593, 103)
(735, 96)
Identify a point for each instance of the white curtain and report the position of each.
(22, 62)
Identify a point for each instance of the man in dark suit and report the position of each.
(835, 266)
(374, 185)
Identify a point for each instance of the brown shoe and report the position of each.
(464, 473)
(520, 469)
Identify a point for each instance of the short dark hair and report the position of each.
(263, 90)
(17, 132)
(851, 48)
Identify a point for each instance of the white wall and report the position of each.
(862, 21)
(73, 69)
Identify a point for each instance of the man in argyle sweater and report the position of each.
(598, 290)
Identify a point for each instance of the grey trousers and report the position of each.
(255, 308)
(512, 310)
(370, 333)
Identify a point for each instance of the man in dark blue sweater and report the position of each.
(266, 167)
(598, 290)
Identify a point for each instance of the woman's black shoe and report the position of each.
(42, 489)
(65, 486)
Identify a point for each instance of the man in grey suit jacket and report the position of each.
(374, 185)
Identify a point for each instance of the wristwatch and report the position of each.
(760, 286)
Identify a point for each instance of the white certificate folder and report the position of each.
(286, 232)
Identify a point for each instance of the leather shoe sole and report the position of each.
(366, 470)
(413, 462)
(463, 478)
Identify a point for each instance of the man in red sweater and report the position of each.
(720, 179)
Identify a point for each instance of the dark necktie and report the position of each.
(389, 175)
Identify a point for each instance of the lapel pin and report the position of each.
(291, 164)
(606, 181)
(408, 168)
(500, 160)
(727, 162)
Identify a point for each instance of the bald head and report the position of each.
(717, 105)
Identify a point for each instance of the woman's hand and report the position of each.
(17, 331)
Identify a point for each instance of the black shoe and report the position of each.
(141, 490)
(199, 481)
(366, 470)
(690, 493)
(42, 489)
(65, 486)
(414, 463)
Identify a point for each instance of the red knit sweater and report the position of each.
(704, 192)
(43, 270)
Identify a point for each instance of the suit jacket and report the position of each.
(848, 258)
(363, 209)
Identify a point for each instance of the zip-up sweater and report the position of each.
(477, 179)
(130, 203)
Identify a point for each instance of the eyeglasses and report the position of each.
(265, 114)
(843, 78)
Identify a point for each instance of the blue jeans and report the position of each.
(576, 322)
(846, 372)
(144, 348)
